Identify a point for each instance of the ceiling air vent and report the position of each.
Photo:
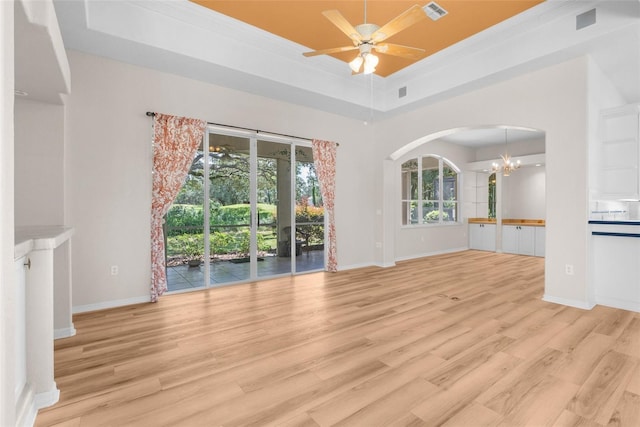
(434, 11)
(586, 19)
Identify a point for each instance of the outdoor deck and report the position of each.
(183, 277)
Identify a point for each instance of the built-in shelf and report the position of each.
(30, 238)
(35, 385)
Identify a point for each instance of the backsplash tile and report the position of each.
(613, 210)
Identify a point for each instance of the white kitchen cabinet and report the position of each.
(482, 237)
(540, 241)
(615, 266)
(518, 239)
(617, 154)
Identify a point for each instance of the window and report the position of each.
(430, 196)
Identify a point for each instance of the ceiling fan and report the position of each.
(367, 37)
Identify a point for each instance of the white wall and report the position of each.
(521, 148)
(523, 194)
(109, 168)
(8, 322)
(39, 163)
(553, 100)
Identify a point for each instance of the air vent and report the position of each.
(434, 11)
(585, 19)
(402, 92)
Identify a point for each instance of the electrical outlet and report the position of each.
(114, 270)
(378, 245)
(568, 269)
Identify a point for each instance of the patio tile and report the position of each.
(223, 272)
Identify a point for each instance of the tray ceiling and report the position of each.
(302, 22)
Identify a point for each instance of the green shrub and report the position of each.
(182, 219)
(188, 245)
(435, 215)
(221, 243)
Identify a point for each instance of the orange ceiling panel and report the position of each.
(302, 22)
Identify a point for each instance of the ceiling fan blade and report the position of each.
(399, 23)
(341, 22)
(331, 50)
(399, 50)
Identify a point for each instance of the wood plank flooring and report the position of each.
(461, 339)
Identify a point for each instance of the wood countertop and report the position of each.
(482, 220)
(527, 222)
(510, 221)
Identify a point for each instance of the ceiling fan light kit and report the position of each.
(365, 37)
(365, 56)
(356, 63)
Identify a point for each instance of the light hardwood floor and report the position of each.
(456, 340)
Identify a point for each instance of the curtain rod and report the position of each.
(152, 114)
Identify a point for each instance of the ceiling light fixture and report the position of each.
(365, 57)
(508, 165)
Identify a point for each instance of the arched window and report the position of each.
(422, 201)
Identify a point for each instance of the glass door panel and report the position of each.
(273, 205)
(183, 231)
(430, 190)
(229, 208)
(309, 213)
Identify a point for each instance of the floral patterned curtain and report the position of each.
(176, 140)
(324, 159)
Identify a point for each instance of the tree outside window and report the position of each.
(423, 202)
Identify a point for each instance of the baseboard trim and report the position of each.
(618, 303)
(110, 304)
(47, 398)
(385, 265)
(584, 305)
(26, 410)
(428, 254)
(64, 332)
(354, 266)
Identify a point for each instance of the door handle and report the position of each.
(28, 264)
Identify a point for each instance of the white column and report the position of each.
(39, 296)
(7, 279)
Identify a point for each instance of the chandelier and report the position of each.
(507, 165)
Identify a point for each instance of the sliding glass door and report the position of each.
(264, 217)
(274, 236)
(229, 208)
